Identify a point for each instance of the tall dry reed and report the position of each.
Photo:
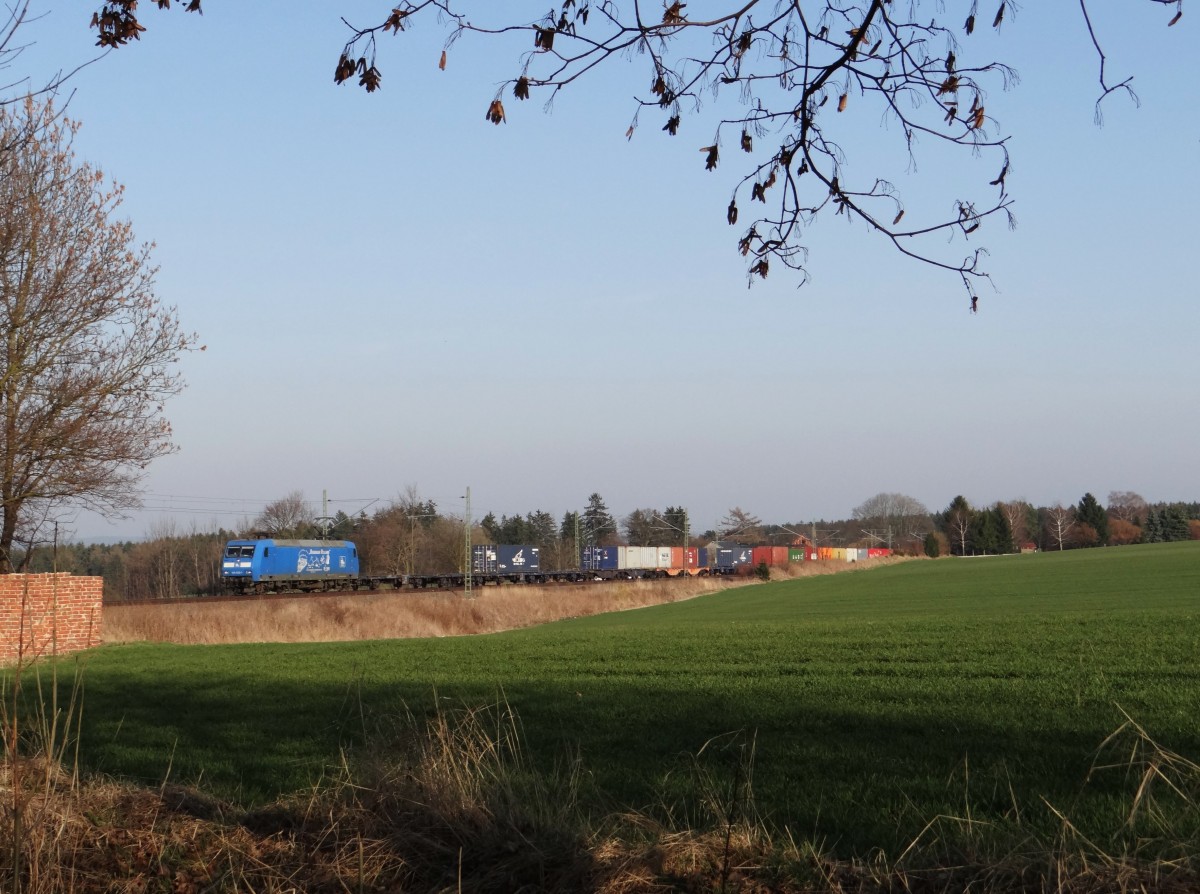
(451, 802)
(390, 614)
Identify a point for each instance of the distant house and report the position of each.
(1029, 547)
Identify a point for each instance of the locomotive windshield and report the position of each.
(239, 552)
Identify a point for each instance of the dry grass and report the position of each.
(452, 804)
(408, 614)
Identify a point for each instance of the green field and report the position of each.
(876, 700)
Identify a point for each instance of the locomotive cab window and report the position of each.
(247, 552)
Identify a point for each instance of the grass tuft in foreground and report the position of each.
(452, 802)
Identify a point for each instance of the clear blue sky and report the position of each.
(395, 292)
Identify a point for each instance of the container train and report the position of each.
(267, 565)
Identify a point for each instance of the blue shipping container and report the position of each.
(514, 559)
(483, 559)
(504, 558)
(609, 558)
(732, 557)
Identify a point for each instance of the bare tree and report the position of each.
(289, 516)
(740, 526)
(89, 352)
(959, 516)
(1060, 521)
(896, 516)
(400, 537)
(17, 90)
(1016, 513)
(1126, 505)
(785, 84)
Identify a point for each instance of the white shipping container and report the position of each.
(662, 557)
(641, 557)
(636, 558)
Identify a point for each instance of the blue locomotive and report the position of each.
(258, 566)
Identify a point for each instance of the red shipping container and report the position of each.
(878, 553)
(685, 560)
(779, 556)
(760, 555)
(676, 558)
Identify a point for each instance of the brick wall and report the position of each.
(44, 613)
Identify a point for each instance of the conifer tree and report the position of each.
(1090, 512)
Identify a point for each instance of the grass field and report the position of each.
(872, 702)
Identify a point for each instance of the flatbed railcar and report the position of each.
(278, 565)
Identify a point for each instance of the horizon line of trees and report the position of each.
(412, 534)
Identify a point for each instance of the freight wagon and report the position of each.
(648, 562)
(266, 565)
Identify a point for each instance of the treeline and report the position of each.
(1016, 525)
(413, 535)
(167, 566)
